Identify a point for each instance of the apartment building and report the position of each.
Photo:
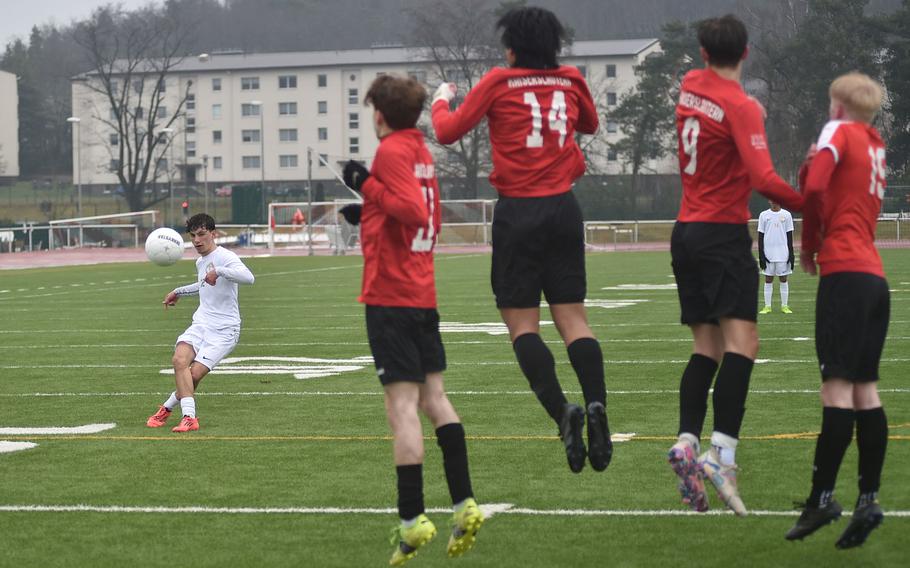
(269, 116)
(9, 126)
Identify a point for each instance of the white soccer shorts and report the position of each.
(777, 269)
(211, 345)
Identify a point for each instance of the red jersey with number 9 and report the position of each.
(399, 224)
(533, 115)
(723, 152)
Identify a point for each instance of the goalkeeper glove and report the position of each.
(763, 262)
(351, 213)
(354, 175)
(791, 261)
(445, 92)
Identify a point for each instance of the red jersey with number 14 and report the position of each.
(533, 115)
(723, 152)
(399, 224)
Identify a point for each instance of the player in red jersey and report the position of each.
(843, 188)
(723, 154)
(534, 108)
(399, 220)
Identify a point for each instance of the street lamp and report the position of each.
(170, 179)
(261, 151)
(75, 121)
(205, 180)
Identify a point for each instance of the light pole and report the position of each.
(205, 180)
(76, 121)
(170, 179)
(261, 152)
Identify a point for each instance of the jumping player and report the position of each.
(775, 253)
(216, 322)
(843, 190)
(400, 219)
(534, 108)
(723, 153)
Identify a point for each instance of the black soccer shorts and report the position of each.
(538, 246)
(852, 310)
(405, 342)
(716, 274)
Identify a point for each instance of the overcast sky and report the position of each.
(18, 16)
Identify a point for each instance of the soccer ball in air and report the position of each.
(164, 246)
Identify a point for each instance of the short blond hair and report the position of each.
(860, 94)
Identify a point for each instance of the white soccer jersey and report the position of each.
(775, 225)
(218, 304)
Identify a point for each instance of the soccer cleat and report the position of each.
(765, 310)
(865, 519)
(465, 524)
(410, 539)
(786, 309)
(186, 425)
(724, 479)
(814, 518)
(570, 427)
(158, 419)
(600, 446)
(691, 486)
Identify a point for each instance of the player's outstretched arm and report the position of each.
(235, 271)
(818, 176)
(171, 299)
(451, 126)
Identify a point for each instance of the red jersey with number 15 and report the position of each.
(533, 115)
(723, 152)
(399, 224)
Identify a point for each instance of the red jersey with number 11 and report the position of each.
(399, 224)
(533, 116)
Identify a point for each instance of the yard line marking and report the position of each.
(10, 447)
(488, 510)
(42, 431)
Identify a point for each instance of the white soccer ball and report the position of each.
(164, 246)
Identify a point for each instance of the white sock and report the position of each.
(188, 406)
(769, 290)
(408, 523)
(725, 446)
(691, 438)
(785, 293)
(171, 401)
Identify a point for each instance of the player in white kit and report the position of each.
(216, 323)
(775, 253)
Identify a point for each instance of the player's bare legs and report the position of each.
(401, 402)
(187, 376)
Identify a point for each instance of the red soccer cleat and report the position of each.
(158, 419)
(186, 425)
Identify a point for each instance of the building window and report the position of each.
(115, 164)
(418, 75)
(611, 155)
(611, 99)
(322, 107)
(323, 134)
(322, 80)
(287, 81)
(583, 69)
(354, 145)
(611, 71)
(323, 160)
(287, 161)
(250, 135)
(612, 126)
(249, 83)
(115, 86)
(162, 112)
(354, 120)
(352, 96)
(113, 113)
(216, 137)
(251, 162)
(140, 112)
(162, 86)
(162, 164)
(216, 111)
(190, 125)
(216, 84)
(115, 139)
(287, 109)
(191, 102)
(247, 109)
(216, 162)
(162, 137)
(137, 86)
(191, 149)
(287, 134)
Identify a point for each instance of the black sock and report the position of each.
(832, 444)
(693, 393)
(730, 392)
(872, 441)
(588, 361)
(410, 490)
(538, 366)
(450, 438)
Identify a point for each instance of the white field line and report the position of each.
(10, 447)
(87, 429)
(489, 511)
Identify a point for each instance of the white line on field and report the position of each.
(10, 447)
(87, 429)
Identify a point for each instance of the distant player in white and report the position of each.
(216, 323)
(775, 253)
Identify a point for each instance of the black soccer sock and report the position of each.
(410, 490)
(450, 438)
(730, 392)
(832, 444)
(872, 441)
(539, 368)
(693, 393)
(588, 361)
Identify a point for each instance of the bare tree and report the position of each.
(132, 56)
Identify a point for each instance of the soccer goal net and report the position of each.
(116, 230)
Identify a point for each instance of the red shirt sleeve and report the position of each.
(451, 126)
(587, 111)
(817, 179)
(393, 186)
(748, 128)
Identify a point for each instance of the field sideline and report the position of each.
(293, 463)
